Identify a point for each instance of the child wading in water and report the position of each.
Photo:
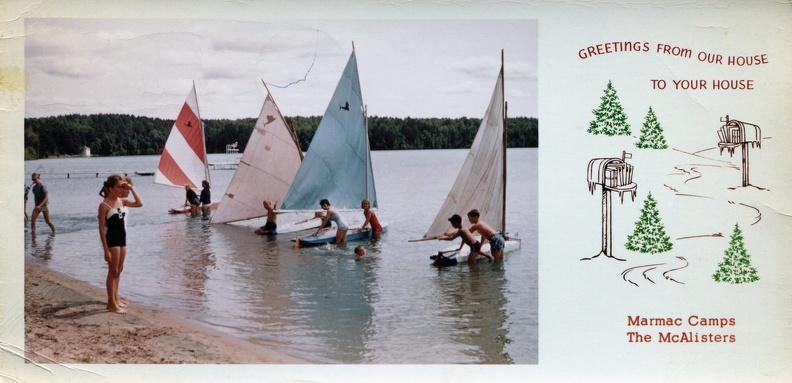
(331, 215)
(371, 220)
(112, 232)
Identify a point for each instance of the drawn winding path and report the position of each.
(637, 275)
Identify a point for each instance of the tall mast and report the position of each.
(365, 120)
(368, 150)
(505, 112)
(288, 127)
(203, 136)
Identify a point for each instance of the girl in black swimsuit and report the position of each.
(112, 232)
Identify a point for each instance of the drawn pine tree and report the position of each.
(651, 133)
(609, 117)
(649, 235)
(736, 265)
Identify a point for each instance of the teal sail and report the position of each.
(337, 165)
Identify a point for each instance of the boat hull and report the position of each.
(462, 255)
(186, 209)
(299, 226)
(328, 237)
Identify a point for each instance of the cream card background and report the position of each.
(583, 305)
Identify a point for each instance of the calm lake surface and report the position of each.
(319, 304)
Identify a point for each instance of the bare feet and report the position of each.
(117, 310)
(122, 303)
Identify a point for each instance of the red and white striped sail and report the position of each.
(183, 159)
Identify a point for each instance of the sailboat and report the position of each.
(266, 170)
(337, 165)
(481, 183)
(183, 160)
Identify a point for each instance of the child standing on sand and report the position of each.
(112, 232)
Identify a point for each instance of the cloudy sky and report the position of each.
(416, 68)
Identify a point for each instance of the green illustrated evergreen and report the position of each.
(649, 235)
(609, 117)
(651, 133)
(736, 265)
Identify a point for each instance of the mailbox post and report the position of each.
(613, 175)
(733, 134)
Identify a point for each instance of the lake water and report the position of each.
(319, 304)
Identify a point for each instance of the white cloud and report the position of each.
(407, 68)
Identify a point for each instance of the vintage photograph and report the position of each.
(281, 191)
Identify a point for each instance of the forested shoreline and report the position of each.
(126, 135)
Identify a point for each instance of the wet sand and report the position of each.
(66, 322)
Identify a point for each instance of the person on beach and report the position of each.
(271, 226)
(41, 200)
(206, 199)
(24, 209)
(496, 240)
(371, 220)
(333, 216)
(467, 239)
(112, 231)
(191, 200)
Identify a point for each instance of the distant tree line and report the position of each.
(125, 135)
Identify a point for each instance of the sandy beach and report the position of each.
(66, 322)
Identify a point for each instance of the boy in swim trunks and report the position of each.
(271, 227)
(496, 240)
(467, 239)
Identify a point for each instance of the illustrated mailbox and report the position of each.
(733, 134)
(613, 175)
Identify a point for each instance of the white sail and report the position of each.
(481, 182)
(266, 170)
(183, 160)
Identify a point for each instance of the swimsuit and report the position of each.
(339, 221)
(374, 221)
(496, 243)
(270, 228)
(115, 226)
(39, 192)
(193, 198)
(206, 196)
